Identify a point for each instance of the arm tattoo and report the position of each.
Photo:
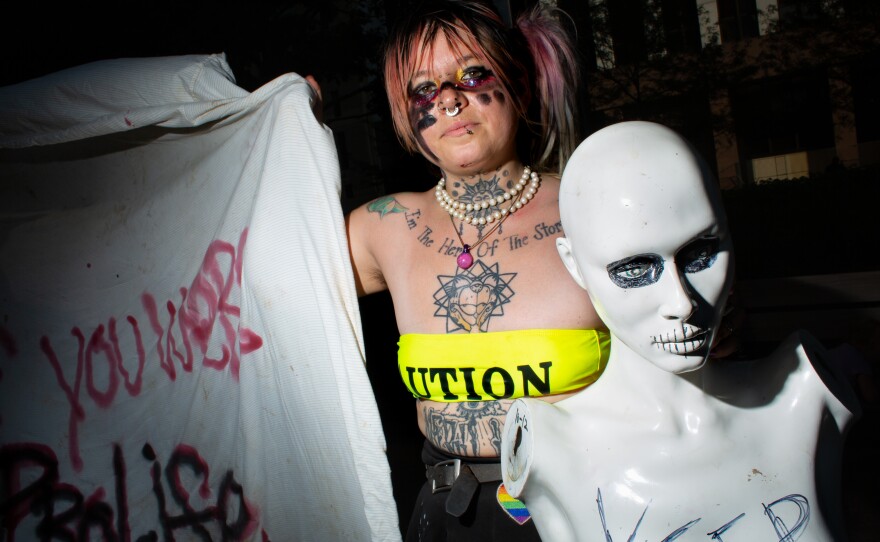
(385, 205)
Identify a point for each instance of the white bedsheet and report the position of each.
(180, 342)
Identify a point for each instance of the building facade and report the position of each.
(766, 89)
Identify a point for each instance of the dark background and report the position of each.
(823, 225)
(826, 224)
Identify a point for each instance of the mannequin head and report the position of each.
(646, 237)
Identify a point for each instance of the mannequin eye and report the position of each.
(699, 255)
(636, 271)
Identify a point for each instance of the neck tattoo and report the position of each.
(519, 194)
(458, 210)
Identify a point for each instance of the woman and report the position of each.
(486, 311)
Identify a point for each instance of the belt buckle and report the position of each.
(446, 483)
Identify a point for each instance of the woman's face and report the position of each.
(459, 113)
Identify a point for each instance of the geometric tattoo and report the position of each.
(468, 299)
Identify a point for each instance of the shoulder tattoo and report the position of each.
(385, 205)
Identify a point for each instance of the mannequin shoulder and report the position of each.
(799, 366)
(811, 355)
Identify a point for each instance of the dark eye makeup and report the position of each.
(645, 269)
(474, 77)
(636, 271)
(699, 255)
(468, 78)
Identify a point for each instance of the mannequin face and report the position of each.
(648, 242)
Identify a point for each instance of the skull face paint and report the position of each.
(659, 270)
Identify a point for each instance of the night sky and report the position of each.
(262, 41)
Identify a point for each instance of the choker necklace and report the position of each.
(465, 260)
(460, 210)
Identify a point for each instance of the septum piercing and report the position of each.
(452, 113)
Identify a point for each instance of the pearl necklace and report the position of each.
(460, 210)
(465, 260)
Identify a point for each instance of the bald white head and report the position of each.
(646, 236)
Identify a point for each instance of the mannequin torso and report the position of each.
(665, 446)
(743, 443)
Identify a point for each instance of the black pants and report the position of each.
(485, 519)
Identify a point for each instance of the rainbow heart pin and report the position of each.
(515, 508)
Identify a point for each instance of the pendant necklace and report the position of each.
(465, 260)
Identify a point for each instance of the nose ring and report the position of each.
(452, 112)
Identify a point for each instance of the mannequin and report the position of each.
(663, 447)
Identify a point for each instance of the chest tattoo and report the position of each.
(470, 298)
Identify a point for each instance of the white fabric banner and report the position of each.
(180, 345)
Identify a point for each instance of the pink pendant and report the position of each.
(465, 260)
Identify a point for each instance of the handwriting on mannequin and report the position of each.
(190, 326)
(787, 531)
(65, 513)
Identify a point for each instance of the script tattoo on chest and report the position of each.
(470, 298)
(466, 428)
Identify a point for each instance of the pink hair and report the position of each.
(527, 61)
(556, 80)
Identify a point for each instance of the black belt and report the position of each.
(461, 480)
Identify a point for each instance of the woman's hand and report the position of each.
(317, 101)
